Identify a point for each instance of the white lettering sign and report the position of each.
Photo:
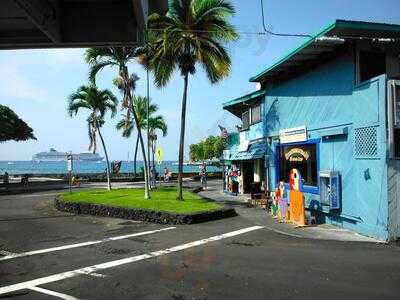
(292, 135)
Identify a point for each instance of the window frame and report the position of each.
(248, 122)
(311, 189)
(252, 122)
(358, 65)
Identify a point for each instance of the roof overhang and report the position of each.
(326, 43)
(238, 105)
(73, 23)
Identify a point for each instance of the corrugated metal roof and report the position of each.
(313, 47)
(237, 105)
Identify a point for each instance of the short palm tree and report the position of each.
(127, 124)
(98, 103)
(99, 58)
(156, 123)
(192, 32)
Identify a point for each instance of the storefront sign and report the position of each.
(297, 154)
(291, 135)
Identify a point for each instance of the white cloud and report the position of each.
(15, 84)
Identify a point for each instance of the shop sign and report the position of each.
(292, 135)
(297, 155)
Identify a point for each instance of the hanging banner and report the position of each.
(69, 163)
(292, 135)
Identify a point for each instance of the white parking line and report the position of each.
(52, 293)
(111, 264)
(10, 255)
(38, 195)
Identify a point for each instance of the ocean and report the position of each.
(32, 167)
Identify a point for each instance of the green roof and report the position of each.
(251, 96)
(340, 29)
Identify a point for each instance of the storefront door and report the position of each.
(248, 175)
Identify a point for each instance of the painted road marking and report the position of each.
(38, 195)
(115, 263)
(93, 274)
(52, 293)
(84, 244)
(7, 253)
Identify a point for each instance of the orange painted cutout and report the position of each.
(297, 210)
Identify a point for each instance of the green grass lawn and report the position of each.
(162, 199)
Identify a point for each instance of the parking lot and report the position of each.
(47, 254)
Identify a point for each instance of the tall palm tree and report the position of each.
(156, 123)
(98, 102)
(127, 125)
(192, 32)
(99, 58)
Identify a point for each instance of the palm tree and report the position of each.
(127, 125)
(99, 58)
(156, 123)
(98, 102)
(192, 32)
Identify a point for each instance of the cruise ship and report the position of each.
(54, 155)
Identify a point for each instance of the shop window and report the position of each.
(245, 120)
(397, 143)
(255, 114)
(302, 157)
(371, 64)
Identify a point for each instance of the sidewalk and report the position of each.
(261, 217)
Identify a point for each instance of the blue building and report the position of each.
(331, 109)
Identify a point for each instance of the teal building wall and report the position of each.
(327, 100)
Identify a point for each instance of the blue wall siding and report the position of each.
(256, 131)
(327, 99)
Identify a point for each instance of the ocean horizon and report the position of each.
(86, 167)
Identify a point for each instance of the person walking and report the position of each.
(203, 176)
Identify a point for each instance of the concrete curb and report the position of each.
(152, 216)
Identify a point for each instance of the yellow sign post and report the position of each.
(159, 158)
(159, 155)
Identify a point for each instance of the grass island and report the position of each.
(163, 199)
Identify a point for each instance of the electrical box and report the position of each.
(330, 189)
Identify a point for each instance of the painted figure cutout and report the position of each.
(280, 203)
(297, 210)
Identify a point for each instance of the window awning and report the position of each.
(255, 151)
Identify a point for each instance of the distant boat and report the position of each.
(54, 155)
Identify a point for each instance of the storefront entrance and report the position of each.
(248, 176)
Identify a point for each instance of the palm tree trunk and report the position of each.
(135, 157)
(147, 117)
(182, 139)
(153, 150)
(107, 161)
(125, 76)
(146, 175)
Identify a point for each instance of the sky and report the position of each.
(36, 83)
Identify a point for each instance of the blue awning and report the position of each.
(255, 151)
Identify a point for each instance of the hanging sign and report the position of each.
(291, 135)
(69, 162)
(159, 155)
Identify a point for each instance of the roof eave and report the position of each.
(324, 31)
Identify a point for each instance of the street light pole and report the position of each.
(147, 112)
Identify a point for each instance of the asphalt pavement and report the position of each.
(47, 254)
